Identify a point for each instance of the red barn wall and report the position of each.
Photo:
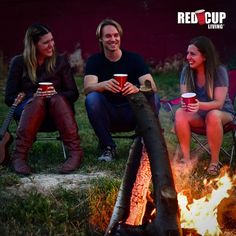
(150, 26)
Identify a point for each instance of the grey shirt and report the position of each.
(221, 80)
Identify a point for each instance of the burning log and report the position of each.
(165, 197)
(132, 198)
(166, 221)
(138, 200)
(123, 199)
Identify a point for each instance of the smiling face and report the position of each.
(45, 46)
(110, 38)
(194, 57)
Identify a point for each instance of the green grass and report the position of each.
(83, 211)
(63, 212)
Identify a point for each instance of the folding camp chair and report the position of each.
(52, 135)
(48, 132)
(197, 132)
(124, 134)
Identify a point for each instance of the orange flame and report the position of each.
(201, 214)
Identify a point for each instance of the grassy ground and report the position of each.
(81, 211)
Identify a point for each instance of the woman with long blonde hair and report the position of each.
(42, 110)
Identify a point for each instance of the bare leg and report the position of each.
(215, 120)
(183, 121)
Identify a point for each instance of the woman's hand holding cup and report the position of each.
(45, 89)
(189, 102)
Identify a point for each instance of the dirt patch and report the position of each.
(45, 183)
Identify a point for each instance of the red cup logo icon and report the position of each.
(201, 16)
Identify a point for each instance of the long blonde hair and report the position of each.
(207, 48)
(32, 36)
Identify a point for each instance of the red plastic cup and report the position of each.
(188, 98)
(121, 78)
(45, 85)
(201, 16)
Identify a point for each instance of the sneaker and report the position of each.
(108, 154)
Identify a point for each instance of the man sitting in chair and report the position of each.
(40, 63)
(107, 107)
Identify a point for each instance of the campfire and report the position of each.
(204, 208)
(178, 205)
(200, 216)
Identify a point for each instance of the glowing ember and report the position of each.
(201, 214)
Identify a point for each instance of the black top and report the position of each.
(18, 80)
(129, 63)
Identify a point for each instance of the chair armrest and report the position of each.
(230, 126)
(168, 105)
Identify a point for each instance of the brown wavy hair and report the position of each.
(207, 48)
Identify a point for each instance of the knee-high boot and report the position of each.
(30, 121)
(64, 118)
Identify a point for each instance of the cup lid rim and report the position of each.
(119, 74)
(45, 83)
(200, 11)
(188, 95)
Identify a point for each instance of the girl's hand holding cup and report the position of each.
(45, 89)
(189, 102)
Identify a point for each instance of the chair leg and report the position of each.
(58, 138)
(202, 145)
(225, 152)
(232, 155)
(64, 150)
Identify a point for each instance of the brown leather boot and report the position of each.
(20, 166)
(31, 119)
(63, 115)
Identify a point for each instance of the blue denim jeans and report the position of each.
(19, 109)
(106, 117)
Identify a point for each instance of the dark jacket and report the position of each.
(18, 80)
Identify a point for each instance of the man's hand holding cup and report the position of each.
(122, 79)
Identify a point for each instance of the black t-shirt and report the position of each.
(129, 63)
